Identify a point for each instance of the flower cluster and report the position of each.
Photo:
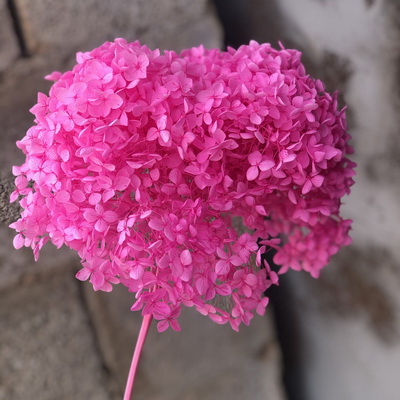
(172, 174)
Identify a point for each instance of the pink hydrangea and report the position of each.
(144, 162)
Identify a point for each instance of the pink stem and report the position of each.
(136, 355)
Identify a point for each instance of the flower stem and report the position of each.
(136, 355)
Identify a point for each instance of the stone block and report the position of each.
(47, 348)
(18, 266)
(68, 26)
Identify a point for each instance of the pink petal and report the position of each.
(186, 257)
(162, 308)
(54, 76)
(110, 216)
(274, 113)
(152, 134)
(237, 260)
(165, 136)
(223, 290)
(63, 196)
(310, 117)
(122, 182)
(114, 101)
(155, 174)
(34, 163)
(175, 325)
(255, 119)
(261, 210)
(100, 225)
(155, 245)
(306, 187)
(71, 208)
(137, 272)
(266, 165)
(83, 274)
(331, 152)
(78, 196)
(192, 169)
(97, 279)
(162, 326)
(222, 267)
(94, 198)
(18, 241)
(91, 215)
(156, 224)
(247, 290)
(201, 285)
(203, 156)
(106, 287)
(317, 180)
(14, 196)
(107, 195)
(289, 158)
(255, 158)
(221, 253)
(252, 173)
(145, 214)
(137, 305)
(292, 196)
(251, 279)
(200, 181)
(261, 306)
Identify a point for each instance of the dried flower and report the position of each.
(139, 161)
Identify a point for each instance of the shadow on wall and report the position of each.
(246, 20)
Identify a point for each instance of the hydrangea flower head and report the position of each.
(145, 162)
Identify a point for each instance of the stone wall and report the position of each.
(59, 339)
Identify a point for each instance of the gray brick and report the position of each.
(18, 267)
(47, 348)
(72, 25)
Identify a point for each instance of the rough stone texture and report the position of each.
(204, 361)
(9, 212)
(47, 348)
(73, 25)
(348, 322)
(8, 42)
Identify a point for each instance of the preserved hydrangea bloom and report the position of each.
(140, 161)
